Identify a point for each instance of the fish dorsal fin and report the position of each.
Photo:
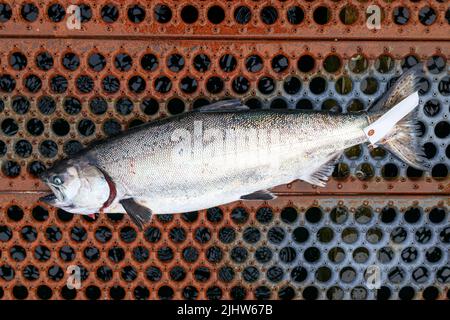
(138, 213)
(259, 195)
(320, 176)
(223, 106)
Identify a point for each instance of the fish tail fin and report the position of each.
(398, 130)
(404, 142)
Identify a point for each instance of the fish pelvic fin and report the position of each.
(320, 176)
(138, 213)
(400, 138)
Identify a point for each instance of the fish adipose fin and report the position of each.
(399, 136)
(320, 176)
(139, 214)
(224, 106)
(259, 195)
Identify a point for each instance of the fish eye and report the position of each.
(57, 180)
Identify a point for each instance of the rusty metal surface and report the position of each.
(110, 72)
(313, 20)
(220, 264)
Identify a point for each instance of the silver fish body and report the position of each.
(269, 148)
(224, 152)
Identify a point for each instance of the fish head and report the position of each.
(77, 187)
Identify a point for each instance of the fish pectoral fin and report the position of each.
(259, 195)
(224, 106)
(139, 214)
(320, 176)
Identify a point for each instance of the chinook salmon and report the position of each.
(224, 152)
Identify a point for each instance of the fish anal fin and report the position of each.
(320, 176)
(138, 213)
(223, 106)
(259, 195)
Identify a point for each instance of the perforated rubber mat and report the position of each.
(62, 87)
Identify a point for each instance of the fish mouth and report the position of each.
(56, 197)
(49, 199)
